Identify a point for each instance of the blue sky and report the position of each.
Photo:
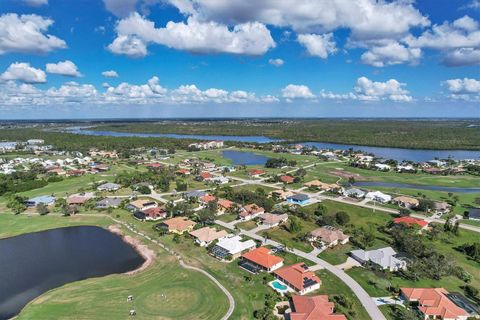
(227, 58)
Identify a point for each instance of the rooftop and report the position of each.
(262, 257)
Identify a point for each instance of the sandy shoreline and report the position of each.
(147, 253)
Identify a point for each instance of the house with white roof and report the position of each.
(386, 258)
(378, 196)
(231, 247)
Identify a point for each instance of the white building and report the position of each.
(384, 257)
(378, 196)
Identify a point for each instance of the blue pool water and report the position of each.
(279, 286)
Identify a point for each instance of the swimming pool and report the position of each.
(279, 286)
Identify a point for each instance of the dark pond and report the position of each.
(415, 186)
(244, 158)
(34, 263)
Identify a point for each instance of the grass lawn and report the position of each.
(227, 217)
(336, 255)
(331, 285)
(105, 298)
(388, 311)
(247, 225)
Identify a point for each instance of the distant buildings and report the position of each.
(206, 145)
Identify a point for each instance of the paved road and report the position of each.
(361, 294)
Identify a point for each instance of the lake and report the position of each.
(34, 263)
(399, 154)
(244, 158)
(415, 186)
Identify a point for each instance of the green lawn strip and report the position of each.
(336, 255)
(247, 225)
(331, 285)
(227, 217)
(388, 311)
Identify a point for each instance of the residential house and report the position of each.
(205, 236)
(410, 221)
(80, 198)
(383, 257)
(286, 179)
(205, 176)
(109, 186)
(382, 166)
(434, 303)
(406, 168)
(260, 259)
(207, 199)
(315, 307)
(354, 193)
(108, 203)
(220, 180)
(299, 199)
(329, 236)
(195, 194)
(182, 172)
(406, 202)
(256, 172)
(250, 211)
(45, 200)
(437, 163)
(155, 213)
(474, 214)
(378, 196)
(280, 194)
(231, 247)
(272, 219)
(141, 205)
(179, 225)
(223, 205)
(299, 278)
(322, 185)
(441, 207)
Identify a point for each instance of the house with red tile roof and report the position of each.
(411, 221)
(224, 205)
(286, 179)
(182, 172)
(207, 198)
(155, 213)
(256, 172)
(205, 175)
(250, 211)
(299, 278)
(262, 258)
(434, 303)
(314, 308)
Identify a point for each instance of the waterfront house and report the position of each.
(155, 213)
(80, 198)
(256, 172)
(179, 225)
(260, 259)
(474, 214)
(299, 278)
(378, 196)
(299, 199)
(354, 193)
(406, 202)
(386, 258)
(441, 207)
(434, 303)
(322, 185)
(45, 200)
(315, 307)
(205, 236)
(231, 247)
(141, 204)
(382, 167)
(108, 203)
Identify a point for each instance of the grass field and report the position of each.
(105, 298)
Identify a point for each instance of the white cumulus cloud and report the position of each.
(276, 62)
(369, 90)
(23, 72)
(110, 74)
(135, 32)
(318, 45)
(293, 91)
(26, 34)
(64, 68)
(390, 53)
(35, 3)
